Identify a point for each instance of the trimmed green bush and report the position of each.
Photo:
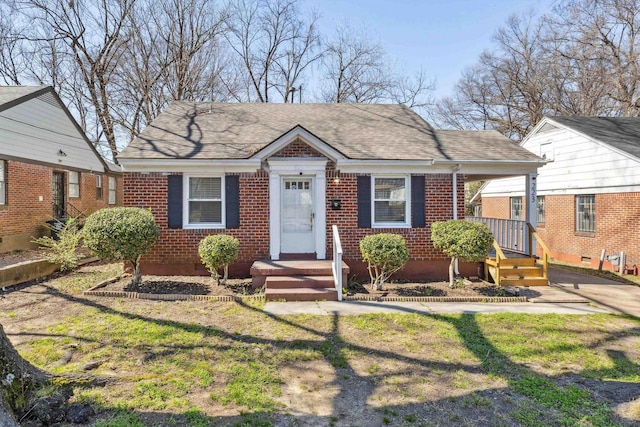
(384, 253)
(218, 252)
(460, 239)
(121, 234)
(62, 250)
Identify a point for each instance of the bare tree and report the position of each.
(274, 45)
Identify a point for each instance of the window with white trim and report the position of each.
(541, 209)
(98, 187)
(586, 213)
(390, 207)
(515, 208)
(74, 184)
(112, 190)
(204, 201)
(3, 182)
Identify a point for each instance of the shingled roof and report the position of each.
(622, 133)
(11, 93)
(188, 130)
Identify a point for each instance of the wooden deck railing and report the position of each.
(512, 235)
(546, 254)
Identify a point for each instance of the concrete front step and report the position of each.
(289, 282)
(260, 270)
(301, 294)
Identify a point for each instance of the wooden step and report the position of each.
(508, 262)
(288, 282)
(521, 272)
(260, 270)
(531, 281)
(301, 294)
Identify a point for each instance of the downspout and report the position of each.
(455, 206)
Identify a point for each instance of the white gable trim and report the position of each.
(306, 136)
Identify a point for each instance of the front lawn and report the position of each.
(227, 363)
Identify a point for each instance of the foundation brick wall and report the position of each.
(617, 219)
(24, 216)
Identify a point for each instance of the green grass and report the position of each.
(163, 354)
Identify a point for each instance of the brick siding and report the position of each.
(617, 219)
(24, 216)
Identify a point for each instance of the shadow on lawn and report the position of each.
(544, 396)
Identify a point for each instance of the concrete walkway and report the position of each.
(608, 294)
(328, 308)
(569, 293)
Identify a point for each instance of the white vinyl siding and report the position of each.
(390, 207)
(204, 202)
(3, 182)
(586, 213)
(74, 184)
(112, 190)
(515, 205)
(37, 130)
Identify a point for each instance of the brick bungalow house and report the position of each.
(278, 176)
(48, 167)
(589, 191)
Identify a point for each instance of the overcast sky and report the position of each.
(442, 37)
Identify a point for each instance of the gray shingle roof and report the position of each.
(622, 133)
(358, 131)
(11, 93)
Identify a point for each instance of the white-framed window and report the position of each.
(74, 184)
(586, 213)
(3, 182)
(541, 209)
(98, 187)
(391, 204)
(112, 190)
(203, 201)
(515, 205)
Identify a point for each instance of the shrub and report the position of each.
(384, 254)
(218, 251)
(63, 249)
(122, 234)
(460, 239)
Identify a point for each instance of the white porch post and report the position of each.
(531, 209)
(274, 215)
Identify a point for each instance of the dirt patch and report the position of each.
(428, 289)
(18, 256)
(185, 285)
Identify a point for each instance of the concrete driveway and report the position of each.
(614, 296)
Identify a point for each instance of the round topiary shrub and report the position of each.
(218, 252)
(384, 253)
(460, 239)
(121, 234)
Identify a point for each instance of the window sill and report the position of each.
(390, 225)
(585, 234)
(203, 226)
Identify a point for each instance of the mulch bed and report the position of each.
(428, 289)
(185, 285)
(18, 256)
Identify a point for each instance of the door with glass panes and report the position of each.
(297, 216)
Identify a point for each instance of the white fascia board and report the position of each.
(298, 132)
(190, 165)
(296, 164)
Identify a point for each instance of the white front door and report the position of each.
(297, 216)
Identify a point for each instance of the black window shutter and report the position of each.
(417, 201)
(174, 201)
(232, 200)
(364, 202)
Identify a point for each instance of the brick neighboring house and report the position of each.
(278, 176)
(588, 195)
(48, 168)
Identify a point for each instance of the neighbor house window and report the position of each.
(390, 204)
(516, 208)
(204, 201)
(541, 209)
(74, 184)
(112, 190)
(98, 187)
(586, 213)
(3, 182)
